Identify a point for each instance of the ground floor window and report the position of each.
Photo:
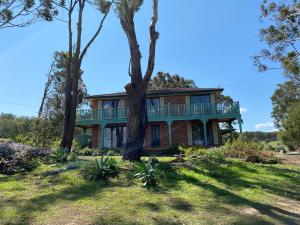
(115, 137)
(198, 134)
(155, 134)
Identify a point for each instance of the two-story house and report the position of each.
(179, 116)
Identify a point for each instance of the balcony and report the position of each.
(203, 111)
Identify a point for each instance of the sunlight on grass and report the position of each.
(200, 192)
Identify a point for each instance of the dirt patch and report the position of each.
(290, 159)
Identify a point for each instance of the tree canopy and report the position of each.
(282, 35)
(290, 134)
(165, 80)
(283, 99)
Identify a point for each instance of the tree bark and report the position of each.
(137, 122)
(137, 89)
(74, 70)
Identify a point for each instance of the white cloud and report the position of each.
(243, 110)
(264, 125)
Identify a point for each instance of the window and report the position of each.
(155, 134)
(153, 106)
(198, 134)
(197, 99)
(152, 102)
(110, 104)
(108, 107)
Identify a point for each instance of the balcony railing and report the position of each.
(162, 112)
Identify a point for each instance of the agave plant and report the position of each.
(59, 155)
(146, 172)
(103, 168)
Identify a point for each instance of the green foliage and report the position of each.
(193, 151)
(165, 80)
(59, 155)
(89, 152)
(146, 172)
(11, 126)
(283, 98)
(290, 134)
(259, 136)
(102, 169)
(249, 151)
(281, 34)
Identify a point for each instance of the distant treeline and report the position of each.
(260, 136)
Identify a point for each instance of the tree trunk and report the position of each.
(137, 122)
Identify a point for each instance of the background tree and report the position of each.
(165, 80)
(76, 54)
(283, 99)
(136, 89)
(53, 100)
(282, 37)
(290, 134)
(22, 13)
(51, 112)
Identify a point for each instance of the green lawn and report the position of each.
(203, 192)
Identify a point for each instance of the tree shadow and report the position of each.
(41, 203)
(232, 179)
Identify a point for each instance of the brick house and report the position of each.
(179, 116)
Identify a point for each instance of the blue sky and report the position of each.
(209, 41)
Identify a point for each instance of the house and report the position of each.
(179, 116)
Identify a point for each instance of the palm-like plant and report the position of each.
(146, 172)
(103, 168)
(59, 155)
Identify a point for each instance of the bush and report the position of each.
(89, 152)
(146, 172)
(59, 155)
(249, 151)
(193, 151)
(101, 169)
(16, 158)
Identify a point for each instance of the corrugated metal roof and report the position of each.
(167, 91)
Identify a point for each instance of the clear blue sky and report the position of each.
(210, 42)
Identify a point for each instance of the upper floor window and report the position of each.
(198, 99)
(152, 102)
(110, 104)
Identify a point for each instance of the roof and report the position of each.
(162, 92)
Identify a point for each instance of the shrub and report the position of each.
(249, 151)
(101, 169)
(193, 151)
(89, 152)
(16, 158)
(146, 172)
(59, 155)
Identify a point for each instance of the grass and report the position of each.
(199, 192)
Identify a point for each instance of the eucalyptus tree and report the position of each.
(282, 36)
(76, 53)
(22, 13)
(166, 80)
(136, 89)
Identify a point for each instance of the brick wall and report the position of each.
(179, 133)
(95, 136)
(174, 100)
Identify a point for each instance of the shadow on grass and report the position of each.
(232, 178)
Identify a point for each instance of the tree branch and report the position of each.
(96, 34)
(154, 35)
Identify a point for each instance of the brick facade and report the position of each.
(95, 136)
(181, 130)
(179, 133)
